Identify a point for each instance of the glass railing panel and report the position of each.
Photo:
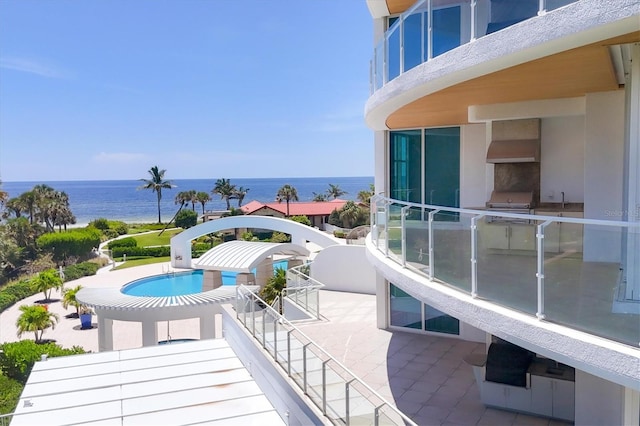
(269, 332)
(335, 392)
(388, 416)
(556, 4)
(452, 249)
(314, 375)
(417, 232)
(507, 13)
(412, 39)
(296, 361)
(360, 410)
(379, 64)
(258, 320)
(284, 351)
(404, 309)
(393, 53)
(583, 279)
(446, 26)
(394, 230)
(507, 263)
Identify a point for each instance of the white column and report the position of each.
(382, 302)
(632, 176)
(105, 333)
(149, 333)
(631, 416)
(264, 271)
(211, 280)
(208, 325)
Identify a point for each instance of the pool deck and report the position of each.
(423, 375)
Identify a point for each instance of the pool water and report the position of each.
(179, 283)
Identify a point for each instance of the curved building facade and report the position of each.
(507, 163)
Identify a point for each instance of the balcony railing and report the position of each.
(303, 290)
(333, 388)
(432, 27)
(564, 270)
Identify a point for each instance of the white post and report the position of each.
(149, 333)
(105, 333)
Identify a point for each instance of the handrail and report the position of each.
(243, 293)
(529, 264)
(306, 286)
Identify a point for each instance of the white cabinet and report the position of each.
(508, 236)
(506, 396)
(553, 397)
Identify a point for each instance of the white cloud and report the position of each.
(31, 67)
(119, 157)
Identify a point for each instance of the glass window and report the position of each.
(439, 322)
(405, 310)
(393, 54)
(442, 166)
(412, 36)
(405, 165)
(446, 29)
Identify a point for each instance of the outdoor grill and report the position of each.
(509, 202)
(507, 364)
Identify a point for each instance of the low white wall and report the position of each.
(344, 268)
(598, 401)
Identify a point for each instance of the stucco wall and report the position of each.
(562, 159)
(473, 165)
(344, 268)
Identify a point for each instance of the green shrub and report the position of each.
(339, 234)
(14, 292)
(77, 242)
(80, 270)
(279, 237)
(10, 395)
(123, 242)
(186, 219)
(301, 219)
(101, 224)
(120, 227)
(17, 358)
(110, 234)
(141, 251)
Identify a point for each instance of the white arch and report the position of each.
(300, 234)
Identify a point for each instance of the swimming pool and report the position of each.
(179, 283)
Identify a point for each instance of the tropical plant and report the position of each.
(46, 281)
(182, 198)
(4, 196)
(186, 219)
(274, 286)
(302, 219)
(280, 237)
(364, 196)
(69, 298)
(335, 191)
(225, 189)
(156, 184)
(35, 319)
(203, 198)
(17, 358)
(319, 197)
(239, 194)
(287, 193)
(349, 214)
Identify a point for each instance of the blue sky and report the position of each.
(105, 89)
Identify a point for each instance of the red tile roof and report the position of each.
(311, 208)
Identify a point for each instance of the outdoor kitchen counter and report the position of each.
(557, 208)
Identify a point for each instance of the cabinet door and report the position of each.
(541, 395)
(522, 237)
(571, 234)
(518, 398)
(564, 399)
(495, 236)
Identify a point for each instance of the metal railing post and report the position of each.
(264, 328)
(324, 387)
(542, 7)
(540, 271)
(474, 20)
(289, 353)
(275, 339)
(431, 265)
(304, 368)
(386, 228)
(403, 233)
(474, 255)
(429, 31)
(347, 416)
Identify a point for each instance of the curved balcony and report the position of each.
(579, 286)
(432, 27)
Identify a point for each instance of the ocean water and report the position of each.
(121, 199)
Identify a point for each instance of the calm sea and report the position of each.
(121, 200)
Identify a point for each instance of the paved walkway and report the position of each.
(423, 375)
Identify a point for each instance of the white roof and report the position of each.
(182, 383)
(244, 256)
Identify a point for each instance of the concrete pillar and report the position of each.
(298, 240)
(246, 278)
(105, 333)
(208, 325)
(264, 271)
(211, 280)
(295, 262)
(382, 302)
(149, 333)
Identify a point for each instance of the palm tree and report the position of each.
(13, 205)
(225, 189)
(182, 198)
(156, 184)
(349, 214)
(274, 286)
(28, 200)
(240, 193)
(46, 281)
(335, 191)
(69, 299)
(364, 196)
(35, 319)
(203, 198)
(4, 196)
(287, 193)
(319, 197)
(192, 199)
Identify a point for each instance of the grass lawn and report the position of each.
(140, 262)
(154, 239)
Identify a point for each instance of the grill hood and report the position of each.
(514, 151)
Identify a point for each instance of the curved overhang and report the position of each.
(244, 256)
(119, 306)
(562, 54)
(601, 357)
(382, 8)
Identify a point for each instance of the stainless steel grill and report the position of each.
(509, 202)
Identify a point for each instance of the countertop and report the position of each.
(549, 368)
(557, 207)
